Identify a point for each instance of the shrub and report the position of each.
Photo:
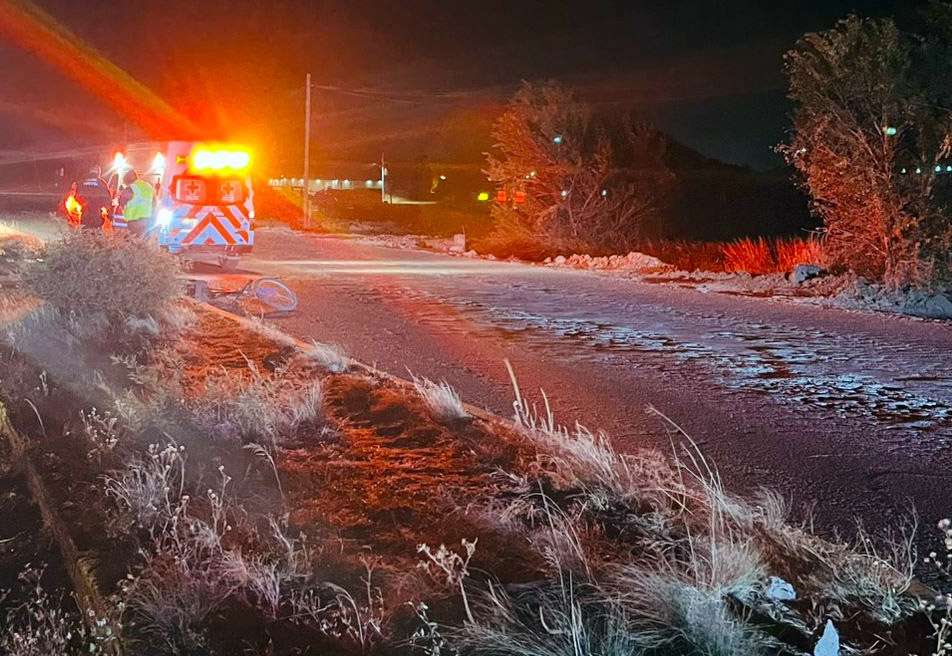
(871, 136)
(592, 181)
(103, 277)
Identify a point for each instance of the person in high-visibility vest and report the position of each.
(139, 197)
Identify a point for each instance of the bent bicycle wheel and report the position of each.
(275, 294)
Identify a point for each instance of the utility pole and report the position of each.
(383, 180)
(306, 191)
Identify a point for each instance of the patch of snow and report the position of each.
(807, 282)
(632, 262)
(780, 590)
(930, 304)
(829, 642)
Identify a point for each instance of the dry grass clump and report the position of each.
(686, 255)
(329, 357)
(256, 407)
(760, 256)
(441, 400)
(104, 277)
(204, 551)
(582, 460)
(693, 567)
(750, 255)
(791, 252)
(546, 621)
(754, 256)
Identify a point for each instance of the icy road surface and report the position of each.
(847, 409)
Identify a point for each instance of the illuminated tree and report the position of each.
(573, 181)
(871, 143)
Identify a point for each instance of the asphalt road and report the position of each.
(850, 412)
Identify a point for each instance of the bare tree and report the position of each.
(573, 180)
(870, 146)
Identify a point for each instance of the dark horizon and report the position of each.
(424, 79)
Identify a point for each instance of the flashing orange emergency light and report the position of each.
(74, 208)
(208, 159)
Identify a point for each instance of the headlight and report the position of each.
(163, 217)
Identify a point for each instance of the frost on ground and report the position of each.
(632, 262)
(807, 282)
(928, 304)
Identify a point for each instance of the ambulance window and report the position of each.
(190, 190)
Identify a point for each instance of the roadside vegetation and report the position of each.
(872, 143)
(871, 147)
(240, 494)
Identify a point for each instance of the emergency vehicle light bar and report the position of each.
(212, 159)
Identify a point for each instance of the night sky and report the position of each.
(420, 77)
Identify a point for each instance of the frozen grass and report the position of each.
(133, 278)
(580, 459)
(546, 622)
(257, 408)
(441, 400)
(327, 356)
(147, 490)
(695, 568)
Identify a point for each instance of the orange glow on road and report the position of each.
(37, 32)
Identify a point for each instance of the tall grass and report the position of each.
(441, 400)
(696, 565)
(751, 255)
(761, 256)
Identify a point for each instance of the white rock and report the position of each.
(780, 590)
(803, 272)
(829, 642)
(560, 259)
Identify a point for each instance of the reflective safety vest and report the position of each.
(140, 205)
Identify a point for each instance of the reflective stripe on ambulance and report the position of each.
(217, 225)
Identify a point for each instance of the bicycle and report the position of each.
(269, 292)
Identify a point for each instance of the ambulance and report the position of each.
(205, 202)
